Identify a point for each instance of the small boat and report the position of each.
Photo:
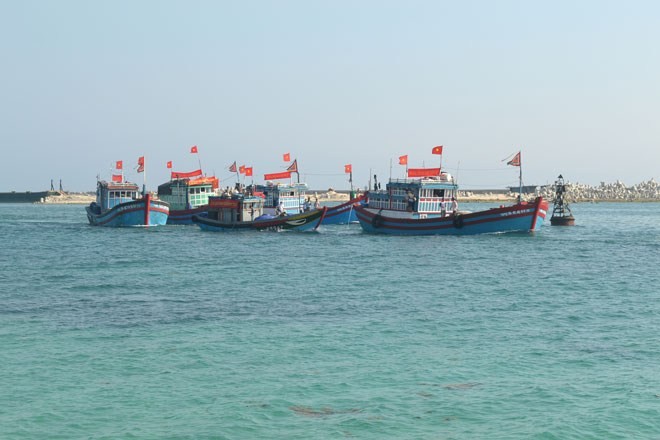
(121, 204)
(419, 207)
(187, 197)
(246, 212)
(344, 213)
(561, 213)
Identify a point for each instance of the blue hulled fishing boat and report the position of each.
(121, 204)
(427, 206)
(343, 213)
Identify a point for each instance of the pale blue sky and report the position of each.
(575, 84)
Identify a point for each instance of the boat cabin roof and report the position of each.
(444, 181)
(116, 186)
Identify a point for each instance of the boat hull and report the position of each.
(342, 214)
(522, 217)
(307, 221)
(143, 212)
(184, 216)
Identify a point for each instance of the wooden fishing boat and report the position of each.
(246, 212)
(344, 213)
(187, 197)
(423, 207)
(120, 204)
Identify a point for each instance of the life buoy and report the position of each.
(458, 221)
(377, 221)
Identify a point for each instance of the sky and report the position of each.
(574, 85)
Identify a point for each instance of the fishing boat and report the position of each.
(290, 197)
(121, 204)
(187, 197)
(422, 206)
(246, 212)
(343, 213)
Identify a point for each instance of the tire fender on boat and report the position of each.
(458, 221)
(377, 221)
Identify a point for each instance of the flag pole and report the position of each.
(144, 176)
(520, 179)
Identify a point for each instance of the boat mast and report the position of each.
(520, 179)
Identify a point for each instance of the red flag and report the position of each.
(169, 164)
(180, 175)
(140, 164)
(515, 161)
(287, 157)
(423, 172)
(119, 165)
(293, 167)
(248, 172)
(193, 149)
(403, 160)
(232, 168)
(275, 176)
(437, 150)
(117, 178)
(348, 168)
(241, 169)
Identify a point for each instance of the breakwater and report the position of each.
(648, 191)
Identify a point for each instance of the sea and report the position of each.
(175, 333)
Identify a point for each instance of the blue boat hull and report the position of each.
(144, 212)
(342, 214)
(184, 216)
(522, 217)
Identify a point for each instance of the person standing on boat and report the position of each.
(443, 208)
(317, 204)
(411, 201)
(454, 205)
(280, 211)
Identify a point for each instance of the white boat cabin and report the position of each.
(291, 195)
(425, 197)
(111, 194)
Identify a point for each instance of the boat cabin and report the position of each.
(427, 196)
(188, 193)
(238, 208)
(291, 195)
(111, 194)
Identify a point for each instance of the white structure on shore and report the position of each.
(618, 191)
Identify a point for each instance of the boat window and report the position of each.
(438, 193)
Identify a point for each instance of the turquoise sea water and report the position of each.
(176, 333)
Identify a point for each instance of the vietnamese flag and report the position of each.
(437, 150)
(403, 160)
(348, 168)
(248, 171)
(169, 164)
(119, 165)
(193, 149)
(117, 178)
(515, 162)
(287, 157)
(140, 164)
(241, 169)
